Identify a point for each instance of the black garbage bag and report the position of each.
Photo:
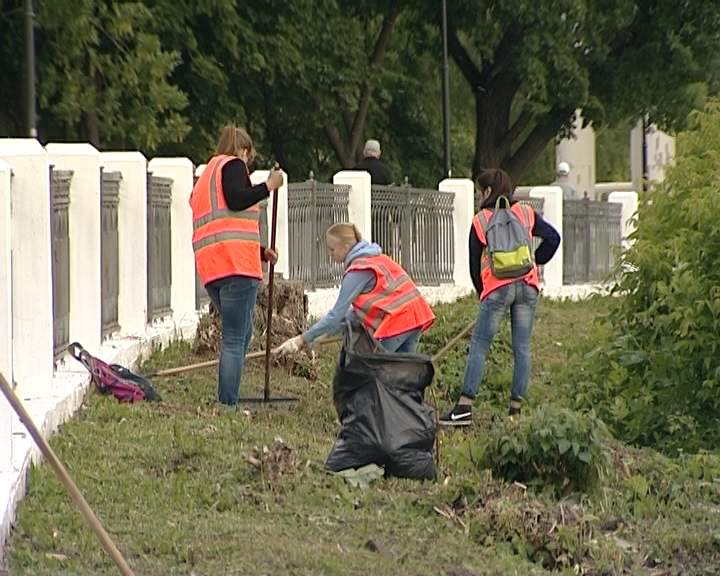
(379, 401)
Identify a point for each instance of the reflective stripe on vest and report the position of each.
(226, 242)
(394, 305)
(480, 223)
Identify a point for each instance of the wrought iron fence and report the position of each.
(414, 226)
(592, 238)
(109, 255)
(159, 265)
(60, 241)
(312, 208)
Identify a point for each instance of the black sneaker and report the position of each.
(460, 415)
(515, 406)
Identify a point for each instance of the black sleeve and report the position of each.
(476, 250)
(550, 240)
(239, 193)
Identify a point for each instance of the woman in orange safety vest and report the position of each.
(226, 242)
(375, 290)
(519, 294)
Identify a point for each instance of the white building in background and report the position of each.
(580, 152)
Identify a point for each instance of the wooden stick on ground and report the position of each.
(437, 357)
(65, 478)
(210, 363)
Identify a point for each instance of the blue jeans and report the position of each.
(405, 342)
(234, 297)
(521, 298)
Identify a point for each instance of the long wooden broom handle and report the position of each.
(210, 363)
(65, 478)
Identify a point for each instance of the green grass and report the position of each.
(172, 484)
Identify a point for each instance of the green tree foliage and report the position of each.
(104, 76)
(312, 79)
(531, 64)
(656, 379)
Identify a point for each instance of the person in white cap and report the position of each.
(563, 180)
(379, 171)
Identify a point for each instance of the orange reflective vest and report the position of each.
(490, 283)
(226, 242)
(394, 305)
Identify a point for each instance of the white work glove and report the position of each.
(290, 346)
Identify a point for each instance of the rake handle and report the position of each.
(57, 466)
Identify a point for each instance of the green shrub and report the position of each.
(656, 378)
(550, 446)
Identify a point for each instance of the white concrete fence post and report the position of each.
(463, 212)
(182, 291)
(629, 201)
(132, 239)
(32, 342)
(360, 199)
(552, 213)
(84, 233)
(282, 239)
(6, 320)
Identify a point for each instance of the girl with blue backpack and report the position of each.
(504, 272)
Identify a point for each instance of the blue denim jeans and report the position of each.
(521, 299)
(234, 297)
(405, 342)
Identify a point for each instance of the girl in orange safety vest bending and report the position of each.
(376, 290)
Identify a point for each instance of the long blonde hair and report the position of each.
(347, 233)
(234, 140)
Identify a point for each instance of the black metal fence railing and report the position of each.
(109, 253)
(60, 244)
(414, 226)
(159, 264)
(592, 236)
(312, 208)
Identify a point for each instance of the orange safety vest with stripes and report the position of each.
(490, 283)
(394, 305)
(226, 242)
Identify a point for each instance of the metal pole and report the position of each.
(30, 66)
(446, 92)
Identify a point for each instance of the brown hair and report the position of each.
(500, 183)
(347, 233)
(234, 140)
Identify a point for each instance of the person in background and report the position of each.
(379, 171)
(226, 242)
(519, 295)
(375, 290)
(563, 180)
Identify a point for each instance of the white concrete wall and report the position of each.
(132, 239)
(182, 291)
(84, 233)
(6, 320)
(629, 201)
(463, 212)
(552, 213)
(32, 343)
(579, 152)
(282, 239)
(359, 204)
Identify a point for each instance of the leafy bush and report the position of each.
(656, 378)
(550, 446)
